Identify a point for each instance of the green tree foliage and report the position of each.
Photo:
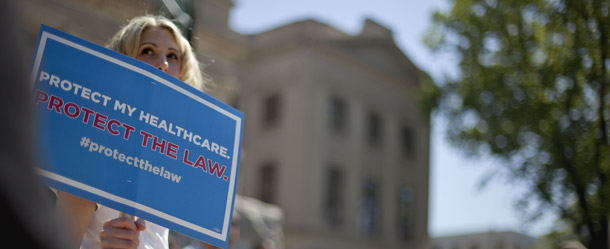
(533, 92)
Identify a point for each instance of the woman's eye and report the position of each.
(172, 56)
(147, 51)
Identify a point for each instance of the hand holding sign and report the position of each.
(123, 232)
(109, 135)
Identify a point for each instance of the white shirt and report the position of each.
(153, 237)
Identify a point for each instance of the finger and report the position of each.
(121, 222)
(108, 243)
(120, 233)
(140, 224)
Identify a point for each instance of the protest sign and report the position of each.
(119, 132)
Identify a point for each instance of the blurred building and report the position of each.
(488, 240)
(333, 134)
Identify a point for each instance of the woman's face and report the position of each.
(159, 49)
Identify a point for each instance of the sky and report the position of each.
(457, 203)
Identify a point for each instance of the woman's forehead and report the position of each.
(158, 35)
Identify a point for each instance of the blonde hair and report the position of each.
(127, 42)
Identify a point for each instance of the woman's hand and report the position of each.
(121, 233)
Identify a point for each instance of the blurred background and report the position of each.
(398, 124)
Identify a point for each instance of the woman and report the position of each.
(158, 42)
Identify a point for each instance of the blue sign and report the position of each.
(124, 134)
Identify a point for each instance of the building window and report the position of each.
(333, 197)
(369, 208)
(271, 110)
(406, 213)
(407, 141)
(337, 114)
(373, 129)
(268, 180)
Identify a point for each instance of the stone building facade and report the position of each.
(334, 136)
(332, 129)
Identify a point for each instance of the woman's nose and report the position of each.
(162, 64)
